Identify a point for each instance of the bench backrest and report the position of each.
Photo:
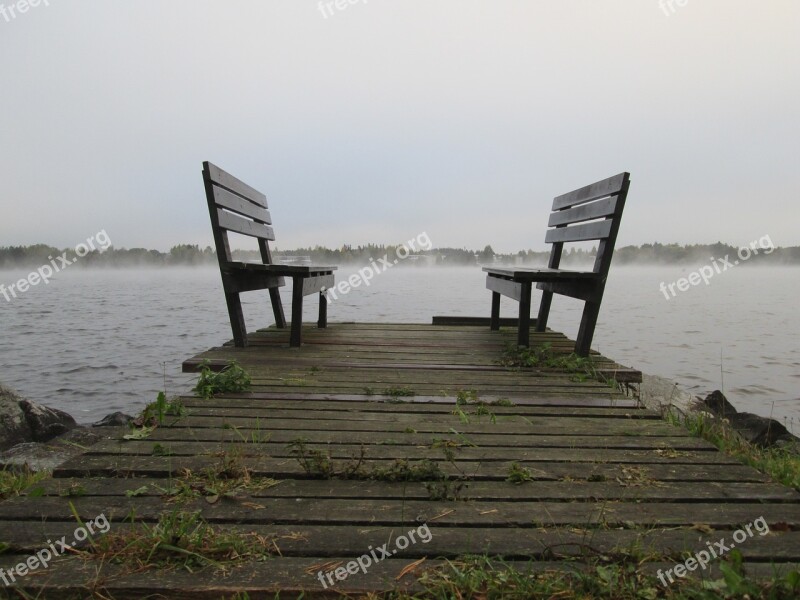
(591, 213)
(235, 206)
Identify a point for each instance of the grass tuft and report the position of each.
(14, 482)
(779, 463)
(231, 379)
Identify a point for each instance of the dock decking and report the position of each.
(338, 459)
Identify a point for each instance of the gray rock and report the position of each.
(662, 395)
(117, 419)
(719, 405)
(35, 456)
(25, 421)
(14, 428)
(759, 431)
(46, 423)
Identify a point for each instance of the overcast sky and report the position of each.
(459, 118)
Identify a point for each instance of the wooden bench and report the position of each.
(593, 212)
(236, 207)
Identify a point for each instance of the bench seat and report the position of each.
(539, 274)
(278, 269)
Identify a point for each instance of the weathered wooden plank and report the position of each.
(594, 191)
(567, 401)
(451, 415)
(361, 512)
(409, 374)
(495, 491)
(312, 285)
(579, 233)
(505, 287)
(284, 468)
(233, 202)
(482, 440)
(290, 576)
(508, 391)
(586, 212)
(450, 542)
(223, 178)
(412, 446)
(399, 423)
(254, 406)
(235, 223)
(461, 322)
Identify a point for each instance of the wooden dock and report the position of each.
(371, 431)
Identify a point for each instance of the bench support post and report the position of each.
(295, 339)
(237, 319)
(524, 332)
(544, 311)
(322, 323)
(494, 322)
(277, 308)
(583, 343)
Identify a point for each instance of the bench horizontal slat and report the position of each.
(250, 281)
(237, 186)
(319, 283)
(580, 289)
(237, 224)
(580, 233)
(282, 269)
(505, 287)
(595, 191)
(586, 212)
(540, 274)
(225, 199)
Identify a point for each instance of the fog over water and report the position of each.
(94, 341)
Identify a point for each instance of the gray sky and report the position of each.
(389, 118)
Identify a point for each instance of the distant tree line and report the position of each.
(194, 255)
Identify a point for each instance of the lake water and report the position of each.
(96, 341)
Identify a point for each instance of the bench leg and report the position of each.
(295, 339)
(277, 307)
(322, 323)
(583, 344)
(494, 321)
(544, 311)
(524, 332)
(237, 319)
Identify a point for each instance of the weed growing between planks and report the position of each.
(580, 368)
(228, 478)
(231, 379)
(14, 481)
(440, 486)
(398, 392)
(465, 398)
(179, 540)
(154, 416)
(518, 474)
